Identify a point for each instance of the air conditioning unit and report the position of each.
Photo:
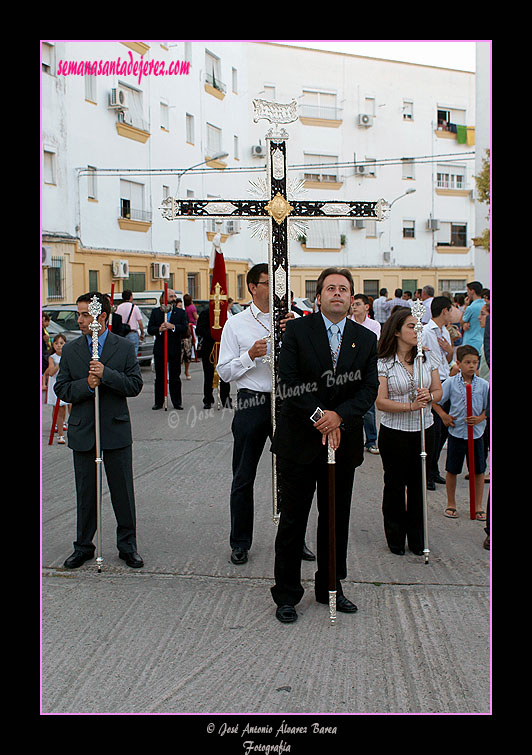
(361, 169)
(117, 99)
(258, 150)
(160, 270)
(365, 120)
(120, 269)
(433, 224)
(359, 223)
(46, 256)
(386, 256)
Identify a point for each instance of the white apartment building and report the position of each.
(117, 139)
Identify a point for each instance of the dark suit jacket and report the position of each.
(306, 380)
(177, 317)
(121, 378)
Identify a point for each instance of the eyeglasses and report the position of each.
(263, 283)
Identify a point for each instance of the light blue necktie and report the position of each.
(334, 342)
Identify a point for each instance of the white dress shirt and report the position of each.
(429, 339)
(400, 387)
(238, 336)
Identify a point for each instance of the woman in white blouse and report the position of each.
(400, 399)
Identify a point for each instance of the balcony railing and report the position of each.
(129, 213)
(211, 79)
(125, 116)
(321, 111)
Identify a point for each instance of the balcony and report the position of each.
(214, 86)
(333, 181)
(131, 219)
(132, 127)
(320, 115)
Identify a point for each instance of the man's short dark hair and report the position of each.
(363, 298)
(475, 286)
(398, 292)
(102, 298)
(127, 294)
(255, 272)
(383, 292)
(335, 271)
(438, 304)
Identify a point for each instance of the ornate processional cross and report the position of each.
(276, 209)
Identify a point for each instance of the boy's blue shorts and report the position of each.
(457, 451)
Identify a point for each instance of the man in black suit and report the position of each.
(327, 361)
(117, 373)
(176, 327)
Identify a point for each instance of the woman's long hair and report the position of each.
(388, 340)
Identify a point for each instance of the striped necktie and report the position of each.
(334, 342)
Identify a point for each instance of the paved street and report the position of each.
(192, 633)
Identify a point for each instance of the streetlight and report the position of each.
(216, 156)
(408, 191)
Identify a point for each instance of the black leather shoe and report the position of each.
(77, 558)
(179, 406)
(286, 614)
(343, 604)
(416, 551)
(132, 559)
(397, 551)
(157, 406)
(439, 479)
(307, 554)
(239, 555)
(206, 405)
(431, 485)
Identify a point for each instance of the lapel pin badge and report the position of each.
(353, 345)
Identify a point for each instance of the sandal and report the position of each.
(451, 513)
(480, 516)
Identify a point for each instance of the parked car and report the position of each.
(66, 316)
(305, 304)
(54, 329)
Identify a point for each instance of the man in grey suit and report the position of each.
(117, 373)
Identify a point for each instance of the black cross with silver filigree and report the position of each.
(278, 210)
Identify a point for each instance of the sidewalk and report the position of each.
(192, 633)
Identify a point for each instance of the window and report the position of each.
(166, 192)
(448, 118)
(134, 115)
(409, 229)
(451, 285)
(452, 234)
(135, 282)
(369, 106)
(234, 80)
(240, 286)
(408, 110)
(409, 284)
(56, 278)
(190, 128)
(321, 168)
(47, 58)
(92, 192)
(193, 285)
(310, 289)
(93, 280)
(458, 235)
(371, 228)
(323, 234)
(371, 288)
(214, 140)
(165, 123)
(49, 167)
(90, 90)
(319, 105)
(235, 147)
(188, 52)
(132, 201)
(408, 167)
(213, 66)
(450, 177)
(269, 93)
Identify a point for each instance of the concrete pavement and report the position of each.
(192, 633)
